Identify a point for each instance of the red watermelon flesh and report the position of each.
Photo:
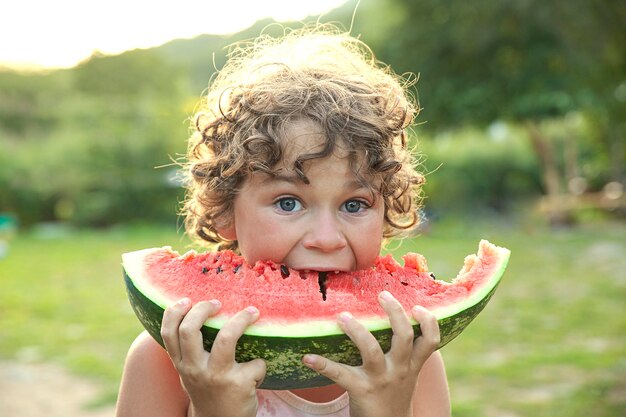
(284, 295)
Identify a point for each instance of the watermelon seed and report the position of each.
(205, 269)
(432, 275)
(321, 280)
(404, 283)
(284, 271)
(219, 270)
(236, 269)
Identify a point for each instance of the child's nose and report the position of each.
(325, 234)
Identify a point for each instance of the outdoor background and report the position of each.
(522, 137)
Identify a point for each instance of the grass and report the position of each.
(552, 342)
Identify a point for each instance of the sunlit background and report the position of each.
(521, 136)
(37, 33)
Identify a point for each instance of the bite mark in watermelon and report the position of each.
(299, 308)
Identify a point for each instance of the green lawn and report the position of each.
(552, 342)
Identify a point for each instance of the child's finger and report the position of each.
(256, 370)
(223, 350)
(371, 352)
(172, 317)
(190, 335)
(428, 342)
(336, 372)
(402, 339)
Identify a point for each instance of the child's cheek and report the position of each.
(266, 239)
(367, 244)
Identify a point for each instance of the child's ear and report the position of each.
(228, 233)
(226, 229)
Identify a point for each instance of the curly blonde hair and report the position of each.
(321, 75)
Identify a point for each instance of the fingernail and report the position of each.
(309, 360)
(216, 303)
(345, 317)
(183, 302)
(417, 309)
(386, 295)
(252, 310)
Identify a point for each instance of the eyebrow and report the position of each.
(295, 179)
(290, 178)
(274, 178)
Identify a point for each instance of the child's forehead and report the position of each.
(303, 136)
(303, 140)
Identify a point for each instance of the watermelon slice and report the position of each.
(299, 308)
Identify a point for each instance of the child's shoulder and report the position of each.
(150, 379)
(147, 354)
(145, 341)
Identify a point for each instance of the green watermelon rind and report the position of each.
(283, 353)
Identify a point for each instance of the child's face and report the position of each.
(330, 224)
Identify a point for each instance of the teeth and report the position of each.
(336, 272)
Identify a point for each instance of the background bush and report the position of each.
(90, 156)
(469, 171)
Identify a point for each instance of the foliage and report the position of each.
(469, 171)
(489, 60)
(141, 72)
(28, 102)
(81, 145)
(486, 60)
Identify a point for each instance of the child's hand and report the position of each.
(216, 384)
(384, 384)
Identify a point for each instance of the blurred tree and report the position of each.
(523, 61)
(482, 60)
(132, 73)
(29, 102)
(594, 33)
(81, 145)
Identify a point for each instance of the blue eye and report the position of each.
(353, 206)
(289, 204)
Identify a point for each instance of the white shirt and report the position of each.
(287, 404)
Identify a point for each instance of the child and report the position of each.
(298, 156)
